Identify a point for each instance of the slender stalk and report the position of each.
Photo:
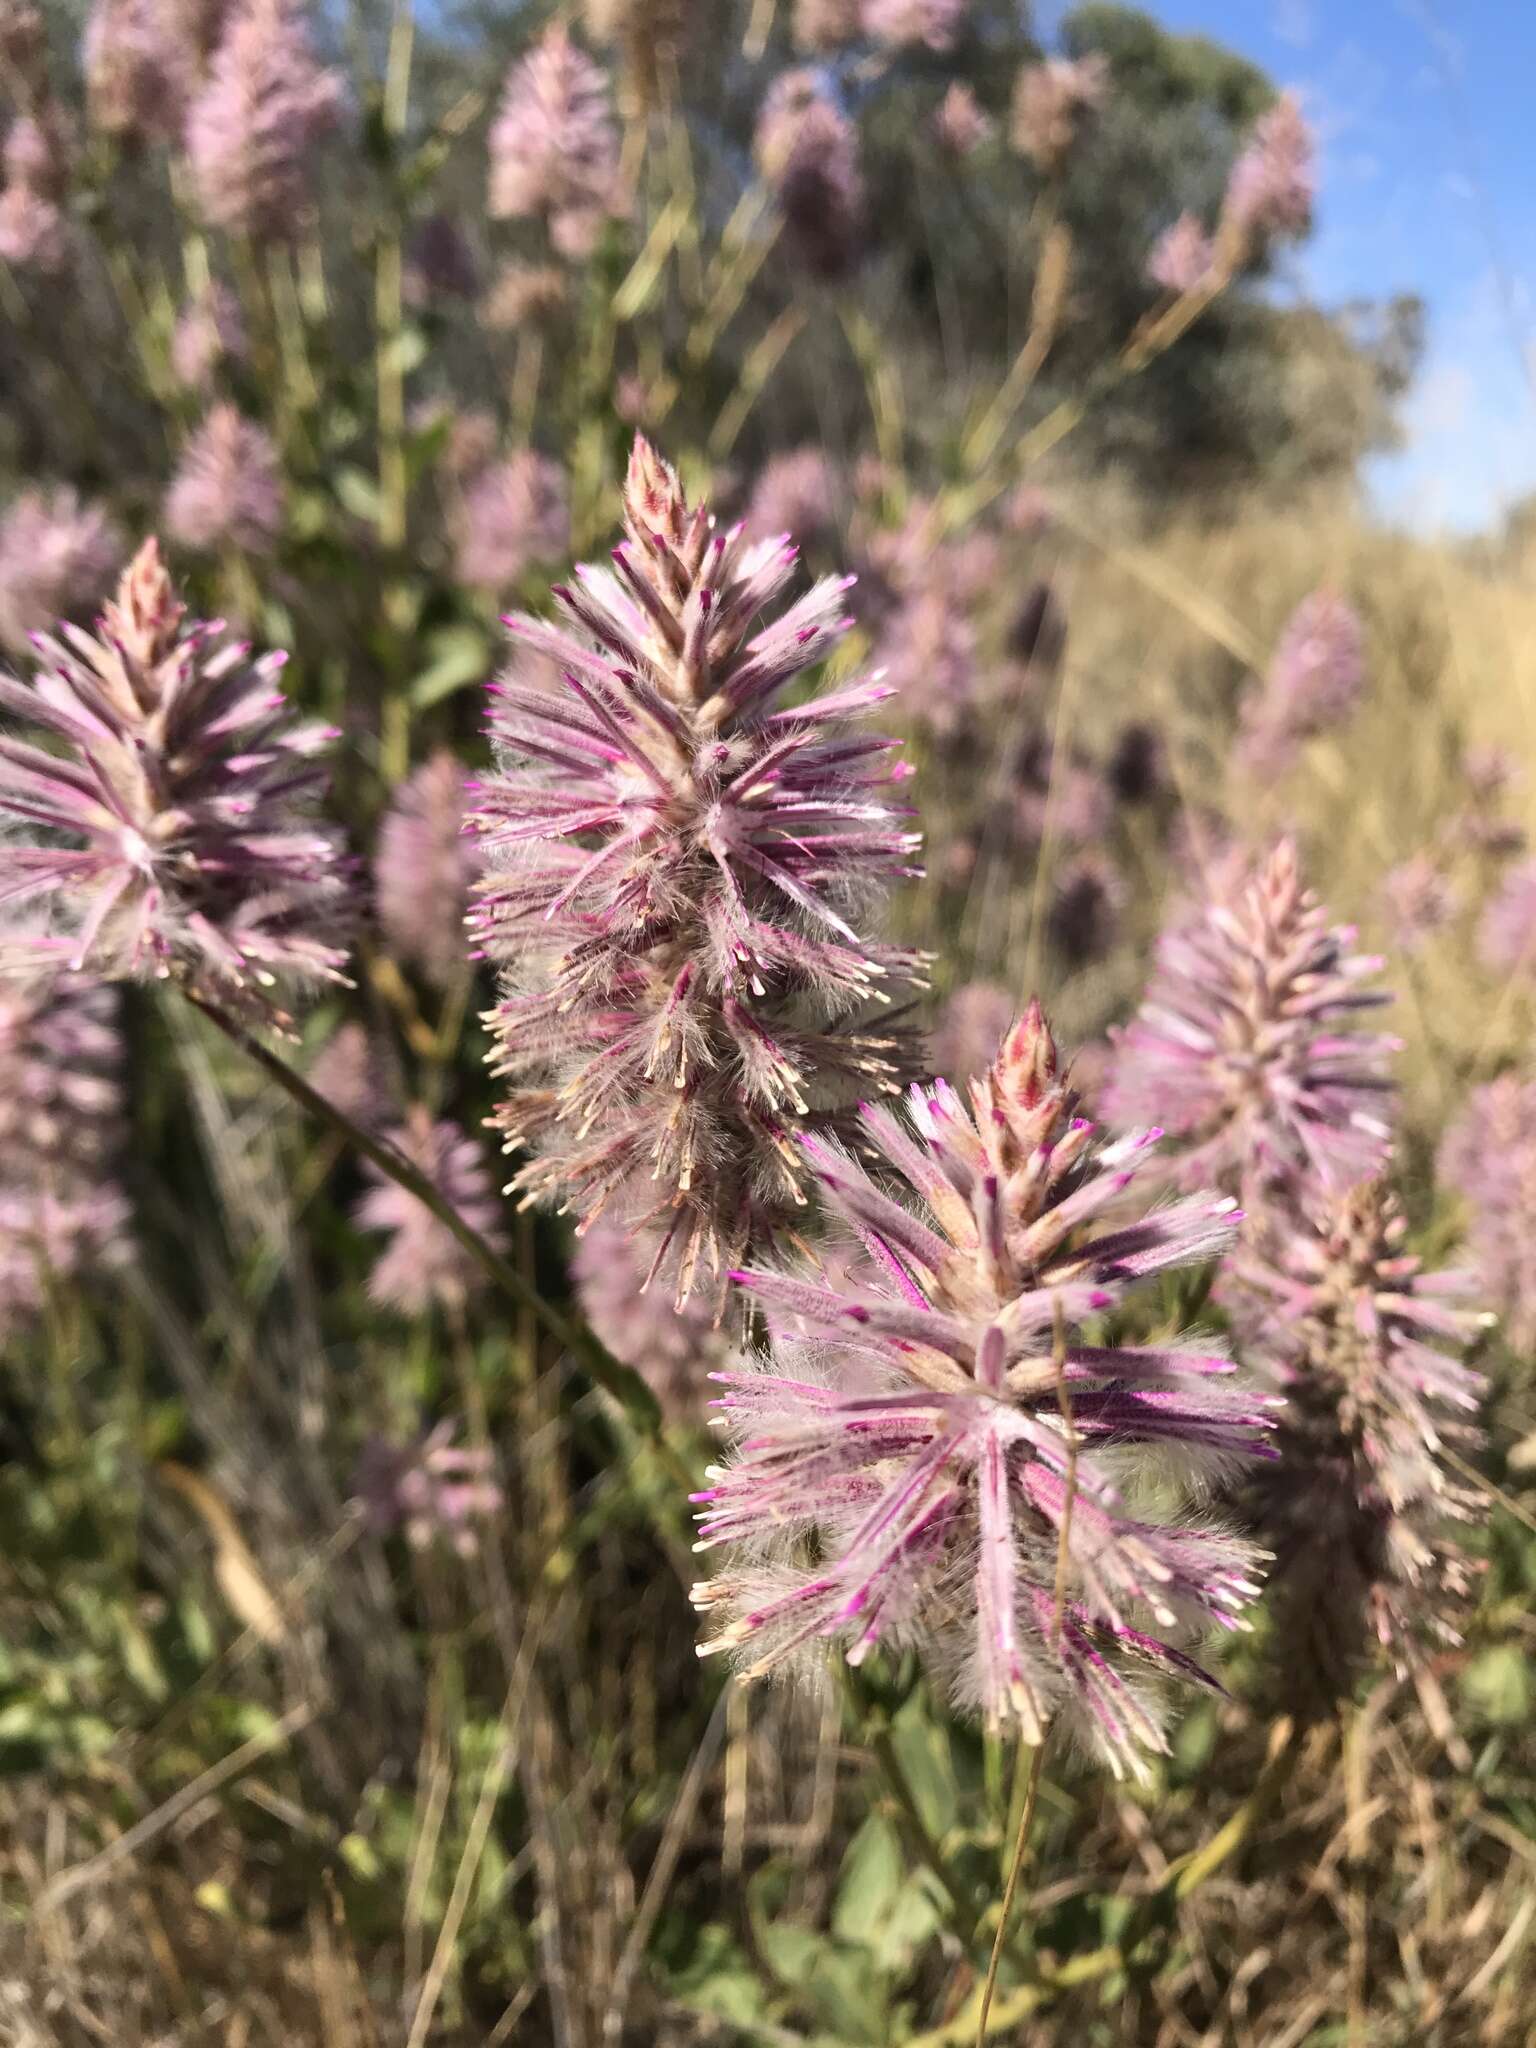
(625, 1387)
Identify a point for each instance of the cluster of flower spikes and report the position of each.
(680, 858)
(1365, 1347)
(1488, 1155)
(935, 1450)
(423, 1263)
(1248, 1049)
(62, 1211)
(168, 830)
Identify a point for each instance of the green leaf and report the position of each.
(922, 1750)
(359, 493)
(458, 655)
(871, 1879)
(1498, 1681)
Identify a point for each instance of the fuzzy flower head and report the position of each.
(1419, 899)
(139, 66)
(1248, 1046)
(58, 556)
(808, 152)
(253, 130)
(554, 146)
(674, 1350)
(168, 829)
(1182, 256)
(909, 24)
(1273, 183)
(1366, 1348)
(681, 866)
(1314, 681)
(228, 488)
(1506, 933)
(514, 514)
(971, 1027)
(423, 870)
(209, 331)
(936, 1450)
(1052, 102)
(1489, 1157)
(432, 1491)
(961, 124)
(34, 234)
(424, 1265)
(796, 493)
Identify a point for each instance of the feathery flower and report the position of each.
(1181, 256)
(430, 1490)
(358, 1074)
(904, 24)
(971, 1027)
(911, 1422)
(228, 487)
(681, 862)
(928, 657)
(262, 112)
(961, 124)
(1366, 1347)
(138, 69)
(674, 1350)
(57, 559)
(521, 293)
(1087, 896)
(1420, 899)
(1488, 1155)
(514, 514)
(1051, 103)
(424, 1264)
(34, 234)
(554, 147)
(209, 331)
(169, 829)
(1273, 183)
(795, 493)
(37, 153)
(825, 25)
(423, 868)
(1506, 935)
(1314, 680)
(808, 152)
(1248, 1047)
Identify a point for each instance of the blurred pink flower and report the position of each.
(1272, 184)
(431, 1490)
(424, 1265)
(139, 68)
(423, 868)
(899, 24)
(514, 514)
(673, 1349)
(209, 331)
(971, 1028)
(1051, 103)
(228, 487)
(960, 124)
(554, 148)
(808, 152)
(57, 559)
(1181, 256)
(253, 129)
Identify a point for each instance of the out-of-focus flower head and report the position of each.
(258, 119)
(522, 293)
(1313, 683)
(228, 487)
(424, 1265)
(514, 514)
(209, 331)
(903, 1469)
(795, 493)
(439, 263)
(1052, 102)
(673, 1349)
(1488, 1155)
(23, 52)
(905, 24)
(928, 656)
(1029, 512)
(1366, 1348)
(357, 1072)
(1182, 256)
(1506, 933)
(1137, 769)
(34, 231)
(1420, 899)
(1273, 183)
(1248, 1049)
(1087, 895)
(169, 827)
(808, 152)
(554, 146)
(37, 153)
(971, 1027)
(961, 124)
(58, 556)
(1037, 632)
(432, 1490)
(423, 869)
(825, 25)
(1490, 775)
(681, 864)
(139, 69)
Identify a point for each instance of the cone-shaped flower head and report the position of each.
(433, 1490)
(961, 124)
(254, 128)
(169, 828)
(1051, 103)
(1489, 1157)
(823, 25)
(1366, 1347)
(228, 488)
(514, 513)
(1181, 256)
(1313, 683)
(938, 1443)
(683, 863)
(139, 67)
(1248, 1046)
(554, 146)
(1506, 931)
(808, 152)
(210, 330)
(58, 556)
(673, 1349)
(424, 1264)
(423, 870)
(1273, 182)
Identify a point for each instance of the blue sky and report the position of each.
(1424, 110)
